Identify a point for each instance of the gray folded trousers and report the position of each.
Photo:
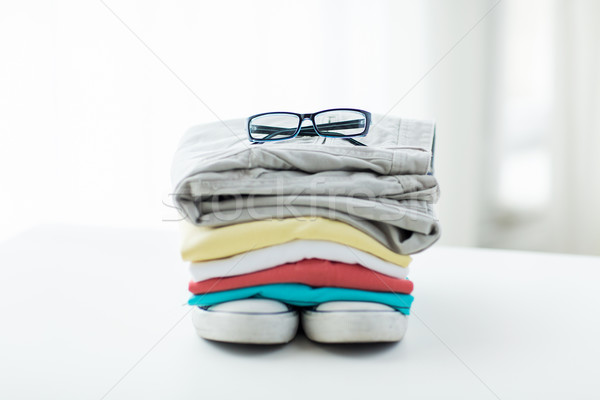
(386, 190)
(395, 210)
(394, 146)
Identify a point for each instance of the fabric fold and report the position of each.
(303, 295)
(393, 146)
(404, 227)
(264, 182)
(311, 272)
(291, 252)
(202, 243)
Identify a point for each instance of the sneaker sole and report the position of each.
(354, 326)
(248, 328)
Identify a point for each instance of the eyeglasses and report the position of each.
(344, 123)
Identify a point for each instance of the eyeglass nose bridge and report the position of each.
(306, 116)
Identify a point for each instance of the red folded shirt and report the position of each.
(313, 272)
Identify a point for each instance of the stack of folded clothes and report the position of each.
(307, 229)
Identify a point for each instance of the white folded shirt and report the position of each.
(290, 252)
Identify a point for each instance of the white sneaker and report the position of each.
(255, 321)
(353, 322)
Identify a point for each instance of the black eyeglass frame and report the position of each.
(313, 130)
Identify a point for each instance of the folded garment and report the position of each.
(261, 181)
(203, 243)
(395, 210)
(303, 295)
(393, 146)
(312, 272)
(399, 240)
(404, 226)
(290, 252)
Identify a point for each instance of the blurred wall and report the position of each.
(96, 94)
(519, 122)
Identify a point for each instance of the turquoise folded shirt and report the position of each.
(303, 295)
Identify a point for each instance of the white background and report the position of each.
(94, 97)
(485, 324)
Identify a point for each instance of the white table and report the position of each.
(85, 309)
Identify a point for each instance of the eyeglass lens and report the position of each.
(333, 123)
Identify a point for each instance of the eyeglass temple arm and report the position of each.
(331, 134)
(312, 132)
(354, 142)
